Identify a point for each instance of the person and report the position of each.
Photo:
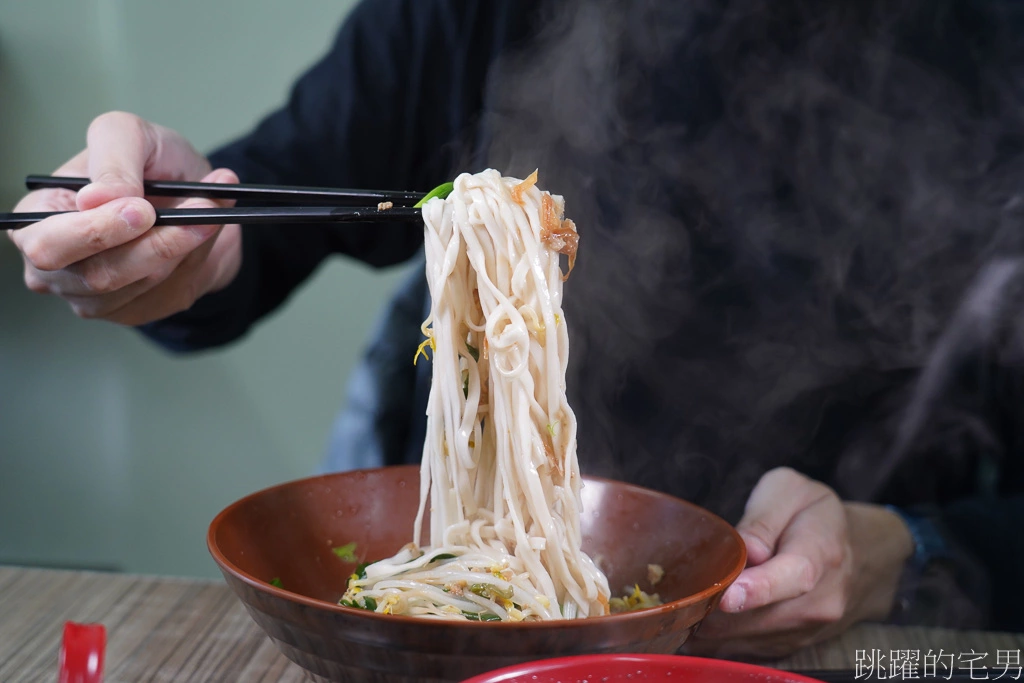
(800, 233)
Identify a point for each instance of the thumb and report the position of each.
(119, 147)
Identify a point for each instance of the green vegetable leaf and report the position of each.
(490, 591)
(442, 191)
(276, 582)
(473, 351)
(442, 556)
(368, 603)
(346, 552)
(481, 616)
(361, 569)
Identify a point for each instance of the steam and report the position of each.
(801, 229)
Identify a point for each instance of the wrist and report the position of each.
(882, 545)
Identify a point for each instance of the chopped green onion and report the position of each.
(368, 604)
(276, 582)
(490, 591)
(442, 191)
(481, 616)
(442, 556)
(346, 552)
(473, 351)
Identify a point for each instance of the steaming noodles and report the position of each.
(499, 466)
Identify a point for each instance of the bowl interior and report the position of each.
(287, 534)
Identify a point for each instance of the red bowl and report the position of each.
(287, 532)
(633, 668)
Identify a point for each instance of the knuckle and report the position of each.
(164, 246)
(86, 309)
(830, 610)
(34, 282)
(762, 531)
(784, 473)
(39, 255)
(834, 554)
(94, 236)
(98, 277)
(821, 490)
(806, 575)
(187, 296)
(760, 591)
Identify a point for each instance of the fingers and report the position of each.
(820, 612)
(792, 526)
(778, 497)
(115, 281)
(174, 295)
(62, 240)
(151, 257)
(207, 269)
(43, 201)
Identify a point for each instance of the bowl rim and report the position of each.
(708, 593)
(700, 664)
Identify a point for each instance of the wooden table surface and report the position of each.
(174, 629)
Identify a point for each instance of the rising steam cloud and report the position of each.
(794, 215)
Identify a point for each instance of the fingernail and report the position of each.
(734, 599)
(133, 217)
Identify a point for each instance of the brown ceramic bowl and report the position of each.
(287, 532)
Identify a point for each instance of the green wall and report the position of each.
(112, 452)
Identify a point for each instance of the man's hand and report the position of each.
(107, 260)
(815, 566)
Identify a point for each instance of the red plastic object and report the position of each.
(81, 653)
(637, 668)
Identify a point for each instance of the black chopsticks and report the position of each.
(268, 193)
(247, 215)
(327, 205)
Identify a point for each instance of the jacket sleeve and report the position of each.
(989, 528)
(978, 544)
